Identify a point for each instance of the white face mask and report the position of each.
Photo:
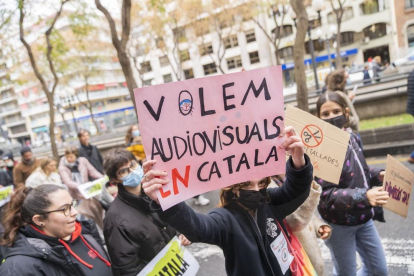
(9, 164)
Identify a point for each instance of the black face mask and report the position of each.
(252, 199)
(338, 121)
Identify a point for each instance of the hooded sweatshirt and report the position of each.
(35, 253)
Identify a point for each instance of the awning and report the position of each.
(40, 129)
(345, 53)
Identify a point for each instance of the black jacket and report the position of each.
(410, 93)
(5, 178)
(133, 233)
(93, 155)
(245, 242)
(34, 254)
(347, 202)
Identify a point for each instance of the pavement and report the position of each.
(397, 236)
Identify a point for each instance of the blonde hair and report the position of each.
(226, 194)
(377, 59)
(72, 150)
(45, 162)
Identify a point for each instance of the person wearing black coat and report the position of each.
(133, 233)
(90, 151)
(249, 226)
(42, 238)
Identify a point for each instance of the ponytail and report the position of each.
(24, 204)
(12, 218)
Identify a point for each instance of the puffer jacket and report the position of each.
(34, 253)
(347, 203)
(133, 233)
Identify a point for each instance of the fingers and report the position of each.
(289, 130)
(325, 235)
(295, 145)
(148, 164)
(289, 141)
(184, 240)
(155, 181)
(154, 174)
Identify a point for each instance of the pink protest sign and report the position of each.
(213, 132)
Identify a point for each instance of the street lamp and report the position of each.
(66, 94)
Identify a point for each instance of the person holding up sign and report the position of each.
(43, 237)
(249, 225)
(348, 207)
(133, 233)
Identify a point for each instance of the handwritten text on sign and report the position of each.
(398, 182)
(213, 132)
(325, 144)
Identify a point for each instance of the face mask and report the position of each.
(136, 133)
(10, 164)
(252, 199)
(348, 81)
(134, 178)
(338, 121)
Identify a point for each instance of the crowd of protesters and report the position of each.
(51, 229)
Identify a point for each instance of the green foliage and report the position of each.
(386, 121)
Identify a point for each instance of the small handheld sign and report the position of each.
(398, 182)
(94, 188)
(173, 259)
(326, 145)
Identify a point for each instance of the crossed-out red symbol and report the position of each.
(312, 136)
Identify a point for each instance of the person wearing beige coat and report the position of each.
(308, 227)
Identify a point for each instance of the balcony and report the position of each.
(35, 110)
(15, 123)
(94, 96)
(9, 111)
(8, 99)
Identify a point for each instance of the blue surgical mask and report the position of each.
(136, 133)
(348, 81)
(133, 179)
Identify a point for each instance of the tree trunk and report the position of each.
(65, 123)
(299, 53)
(128, 73)
(338, 60)
(277, 55)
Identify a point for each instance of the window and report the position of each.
(206, 49)
(250, 36)
(116, 100)
(286, 52)
(254, 57)
(189, 74)
(179, 34)
(164, 61)
(18, 129)
(234, 62)
(409, 4)
(375, 31)
(318, 46)
(370, 7)
(287, 30)
(148, 82)
(167, 78)
(347, 38)
(210, 69)
(184, 55)
(146, 67)
(231, 42)
(410, 35)
(348, 14)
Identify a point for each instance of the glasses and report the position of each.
(67, 209)
(125, 171)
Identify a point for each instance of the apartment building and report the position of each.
(12, 124)
(366, 32)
